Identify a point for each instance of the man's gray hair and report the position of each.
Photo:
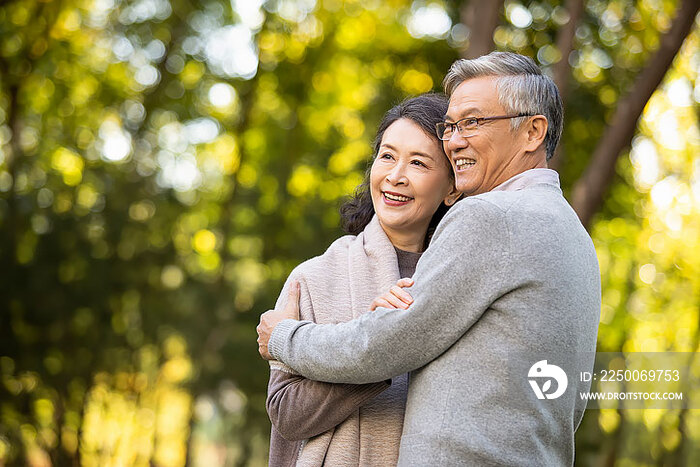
(522, 89)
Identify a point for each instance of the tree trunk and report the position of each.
(565, 44)
(589, 189)
(562, 69)
(481, 18)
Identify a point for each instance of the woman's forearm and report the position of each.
(300, 408)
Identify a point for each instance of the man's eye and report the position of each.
(419, 163)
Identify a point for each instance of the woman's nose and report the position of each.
(397, 175)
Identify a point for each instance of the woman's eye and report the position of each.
(419, 163)
(385, 156)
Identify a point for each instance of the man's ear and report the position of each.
(453, 196)
(535, 132)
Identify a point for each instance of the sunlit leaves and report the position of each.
(415, 82)
(69, 165)
(649, 260)
(165, 164)
(147, 412)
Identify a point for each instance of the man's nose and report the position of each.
(456, 142)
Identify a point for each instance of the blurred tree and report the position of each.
(481, 20)
(588, 191)
(165, 164)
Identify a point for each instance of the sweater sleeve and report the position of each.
(463, 272)
(300, 408)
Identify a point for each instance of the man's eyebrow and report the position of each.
(468, 112)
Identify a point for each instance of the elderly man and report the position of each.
(509, 280)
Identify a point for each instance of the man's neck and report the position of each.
(527, 162)
(538, 175)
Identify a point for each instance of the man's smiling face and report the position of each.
(495, 153)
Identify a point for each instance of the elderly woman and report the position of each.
(406, 191)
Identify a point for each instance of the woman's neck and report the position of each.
(405, 240)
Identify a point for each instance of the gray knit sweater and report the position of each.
(510, 275)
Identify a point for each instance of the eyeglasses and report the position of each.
(467, 127)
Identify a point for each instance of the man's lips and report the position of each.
(464, 163)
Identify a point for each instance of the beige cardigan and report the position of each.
(339, 286)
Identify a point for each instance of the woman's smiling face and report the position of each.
(409, 178)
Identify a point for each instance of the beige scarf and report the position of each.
(339, 286)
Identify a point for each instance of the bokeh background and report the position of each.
(164, 164)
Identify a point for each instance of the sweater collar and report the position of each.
(376, 242)
(541, 176)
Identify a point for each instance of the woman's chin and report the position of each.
(398, 223)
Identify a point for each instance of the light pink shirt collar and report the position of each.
(528, 178)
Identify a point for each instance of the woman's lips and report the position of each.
(395, 199)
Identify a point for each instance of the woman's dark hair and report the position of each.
(425, 110)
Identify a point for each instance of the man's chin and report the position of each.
(467, 187)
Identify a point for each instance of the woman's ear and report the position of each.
(453, 196)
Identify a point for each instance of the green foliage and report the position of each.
(159, 178)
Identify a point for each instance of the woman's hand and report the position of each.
(272, 318)
(396, 297)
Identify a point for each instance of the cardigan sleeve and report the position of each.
(300, 408)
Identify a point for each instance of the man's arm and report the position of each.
(301, 408)
(460, 275)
